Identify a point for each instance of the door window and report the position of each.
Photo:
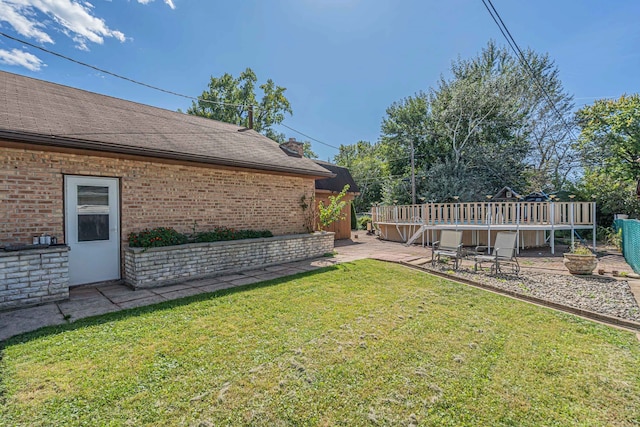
(93, 213)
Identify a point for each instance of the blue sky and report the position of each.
(343, 62)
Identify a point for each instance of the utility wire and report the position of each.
(102, 70)
(310, 137)
(516, 49)
(170, 92)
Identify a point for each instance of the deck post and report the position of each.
(518, 226)
(571, 212)
(593, 210)
(553, 231)
(489, 210)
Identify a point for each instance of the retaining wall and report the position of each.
(154, 267)
(35, 276)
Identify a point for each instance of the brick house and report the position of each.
(89, 169)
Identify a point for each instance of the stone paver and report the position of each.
(28, 319)
(181, 293)
(269, 276)
(245, 281)
(94, 300)
(141, 302)
(73, 310)
(125, 295)
(171, 288)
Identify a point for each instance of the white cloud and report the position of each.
(75, 19)
(167, 2)
(38, 19)
(21, 58)
(23, 21)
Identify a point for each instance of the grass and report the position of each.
(364, 343)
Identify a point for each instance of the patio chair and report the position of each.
(504, 253)
(449, 245)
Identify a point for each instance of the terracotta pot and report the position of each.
(580, 264)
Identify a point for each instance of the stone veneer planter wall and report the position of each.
(34, 276)
(153, 267)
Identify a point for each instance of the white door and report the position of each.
(92, 229)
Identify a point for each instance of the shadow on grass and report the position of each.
(130, 312)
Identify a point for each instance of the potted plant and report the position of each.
(580, 260)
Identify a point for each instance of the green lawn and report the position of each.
(365, 343)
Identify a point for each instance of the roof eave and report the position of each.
(82, 144)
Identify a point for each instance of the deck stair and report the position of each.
(416, 235)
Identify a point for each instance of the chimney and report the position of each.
(295, 146)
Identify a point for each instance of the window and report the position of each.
(93, 213)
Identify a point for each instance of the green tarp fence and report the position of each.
(630, 241)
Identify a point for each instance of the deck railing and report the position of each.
(488, 213)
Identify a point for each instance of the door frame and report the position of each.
(118, 201)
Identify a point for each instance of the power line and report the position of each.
(170, 92)
(102, 70)
(310, 137)
(516, 49)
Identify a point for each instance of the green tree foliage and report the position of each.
(307, 151)
(228, 99)
(486, 126)
(551, 158)
(407, 122)
(365, 163)
(610, 136)
(609, 146)
(479, 116)
(332, 212)
(612, 195)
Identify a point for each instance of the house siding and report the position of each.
(152, 194)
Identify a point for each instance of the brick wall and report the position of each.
(33, 277)
(153, 267)
(152, 194)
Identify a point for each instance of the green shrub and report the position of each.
(160, 236)
(223, 233)
(333, 211)
(363, 221)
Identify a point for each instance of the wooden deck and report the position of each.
(422, 222)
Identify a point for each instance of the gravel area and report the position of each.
(603, 295)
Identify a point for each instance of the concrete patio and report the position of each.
(87, 301)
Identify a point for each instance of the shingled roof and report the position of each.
(337, 183)
(50, 114)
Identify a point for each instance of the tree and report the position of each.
(610, 136)
(552, 157)
(609, 146)
(307, 151)
(612, 195)
(486, 126)
(229, 99)
(478, 116)
(368, 169)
